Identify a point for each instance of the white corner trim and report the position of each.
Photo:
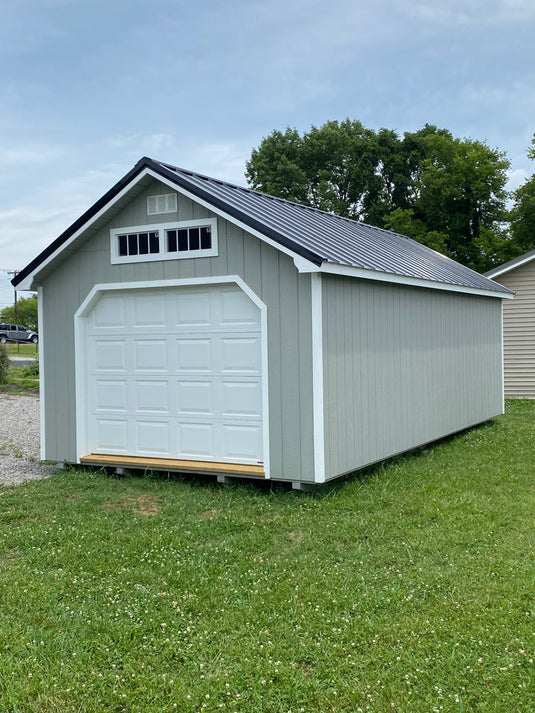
(503, 361)
(348, 271)
(42, 392)
(80, 326)
(317, 378)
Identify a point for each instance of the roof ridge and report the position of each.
(278, 199)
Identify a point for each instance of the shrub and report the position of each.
(32, 370)
(4, 363)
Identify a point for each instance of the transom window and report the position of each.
(166, 241)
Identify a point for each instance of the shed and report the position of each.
(188, 324)
(518, 325)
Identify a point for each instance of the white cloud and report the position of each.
(516, 178)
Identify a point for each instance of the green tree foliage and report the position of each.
(522, 215)
(26, 312)
(445, 192)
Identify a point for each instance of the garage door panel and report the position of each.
(242, 398)
(195, 397)
(110, 395)
(109, 313)
(196, 440)
(193, 309)
(109, 355)
(241, 442)
(240, 355)
(152, 396)
(152, 437)
(149, 311)
(111, 435)
(194, 355)
(150, 355)
(238, 309)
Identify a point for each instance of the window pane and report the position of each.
(132, 244)
(182, 240)
(154, 241)
(171, 241)
(122, 245)
(194, 238)
(143, 243)
(206, 238)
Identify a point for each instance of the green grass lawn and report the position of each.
(29, 350)
(409, 588)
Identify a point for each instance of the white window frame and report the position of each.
(161, 229)
(171, 203)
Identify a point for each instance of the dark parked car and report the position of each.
(17, 333)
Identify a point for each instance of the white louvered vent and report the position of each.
(161, 204)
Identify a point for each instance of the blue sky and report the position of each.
(88, 87)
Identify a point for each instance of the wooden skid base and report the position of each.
(190, 466)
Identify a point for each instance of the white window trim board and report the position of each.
(317, 378)
(80, 335)
(161, 229)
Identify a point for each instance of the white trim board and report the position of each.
(317, 378)
(348, 271)
(497, 271)
(81, 358)
(42, 385)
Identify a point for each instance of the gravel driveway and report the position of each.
(19, 441)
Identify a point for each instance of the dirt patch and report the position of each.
(209, 514)
(297, 536)
(143, 504)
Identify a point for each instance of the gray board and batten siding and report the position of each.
(404, 366)
(268, 272)
(519, 326)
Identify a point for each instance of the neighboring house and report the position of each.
(518, 325)
(190, 324)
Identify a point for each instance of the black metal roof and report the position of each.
(313, 234)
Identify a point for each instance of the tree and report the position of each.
(522, 215)
(445, 192)
(26, 312)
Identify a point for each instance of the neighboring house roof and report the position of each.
(325, 240)
(511, 264)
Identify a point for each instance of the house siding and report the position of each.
(402, 367)
(269, 273)
(519, 332)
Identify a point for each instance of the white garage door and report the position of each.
(176, 373)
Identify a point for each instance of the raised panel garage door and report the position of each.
(176, 373)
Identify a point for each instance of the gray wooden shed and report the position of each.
(518, 325)
(187, 324)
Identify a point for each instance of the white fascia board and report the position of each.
(348, 271)
(491, 274)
